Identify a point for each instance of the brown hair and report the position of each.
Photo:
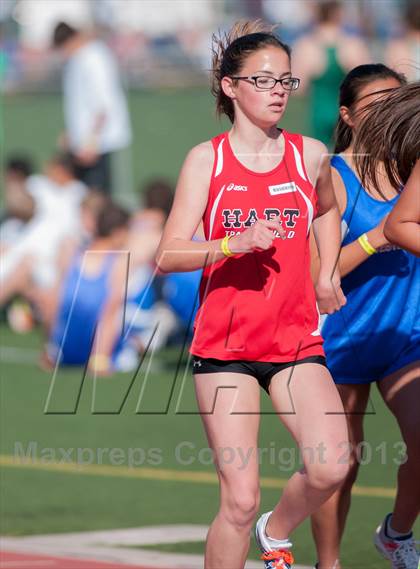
(159, 194)
(350, 89)
(327, 11)
(231, 49)
(62, 33)
(390, 134)
(110, 218)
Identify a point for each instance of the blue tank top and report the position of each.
(82, 301)
(383, 292)
(180, 291)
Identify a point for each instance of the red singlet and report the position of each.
(259, 306)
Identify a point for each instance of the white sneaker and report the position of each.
(402, 553)
(274, 558)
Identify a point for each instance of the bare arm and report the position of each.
(51, 300)
(403, 223)
(351, 255)
(110, 323)
(177, 251)
(326, 228)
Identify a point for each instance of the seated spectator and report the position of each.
(19, 204)
(92, 304)
(29, 264)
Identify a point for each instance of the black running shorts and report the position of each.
(262, 371)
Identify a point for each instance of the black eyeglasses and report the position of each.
(267, 83)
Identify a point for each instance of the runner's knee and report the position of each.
(327, 476)
(240, 506)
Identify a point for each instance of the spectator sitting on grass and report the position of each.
(19, 204)
(29, 265)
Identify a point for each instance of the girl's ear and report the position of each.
(228, 87)
(345, 114)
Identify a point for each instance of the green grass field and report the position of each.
(45, 497)
(41, 497)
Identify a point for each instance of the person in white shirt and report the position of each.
(29, 265)
(95, 108)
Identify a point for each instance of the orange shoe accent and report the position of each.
(281, 555)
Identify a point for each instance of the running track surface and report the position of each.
(9, 560)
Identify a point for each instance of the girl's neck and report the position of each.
(253, 138)
(348, 155)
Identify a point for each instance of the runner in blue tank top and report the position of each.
(81, 305)
(378, 331)
(93, 299)
(375, 337)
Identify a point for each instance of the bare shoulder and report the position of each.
(120, 266)
(353, 51)
(119, 275)
(197, 168)
(307, 46)
(201, 156)
(315, 155)
(314, 147)
(191, 193)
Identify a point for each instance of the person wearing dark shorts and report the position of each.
(96, 175)
(96, 114)
(257, 189)
(262, 371)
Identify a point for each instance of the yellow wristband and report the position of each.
(100, 362)
(365, 245)
(225, 246)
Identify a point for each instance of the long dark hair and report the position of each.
(390, 134)
(230, 51)
(350, 89)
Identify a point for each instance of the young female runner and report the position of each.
(394, 125)
(376, 336)
(258, 190)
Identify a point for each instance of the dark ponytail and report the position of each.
(350, 89)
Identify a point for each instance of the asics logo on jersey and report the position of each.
(233, 187)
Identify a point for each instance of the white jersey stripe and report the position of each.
(299, 164)
(219, 164)
(214, 209)
(317, 331)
